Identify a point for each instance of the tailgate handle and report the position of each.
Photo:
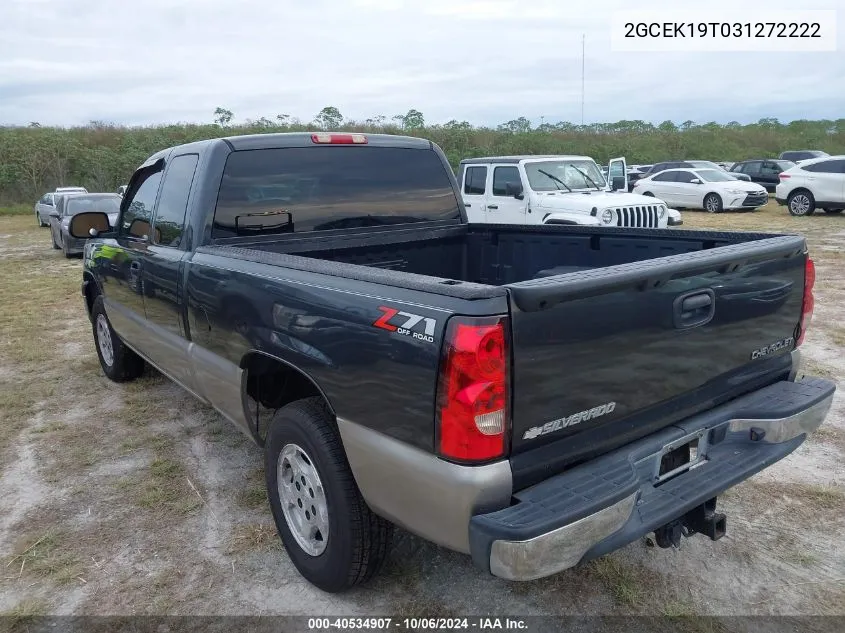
(694, 308)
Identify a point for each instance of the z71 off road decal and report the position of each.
(575, 418)
(407, 324)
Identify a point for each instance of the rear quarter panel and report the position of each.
(327, 327)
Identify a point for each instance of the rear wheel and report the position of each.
(801, 203)
(329, 532)
(53, 239)
(119, 363)
(713, 203)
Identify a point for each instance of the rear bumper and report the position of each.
(615, 499)
(780, 201)
(73, 246)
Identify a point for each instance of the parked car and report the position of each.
(635, 172)
(47, 203)
(711, 189)
(691, 164)
(764, 172)
(817, 183)
(802, 154)
(553, 190)
(533, 396)
(69, 205)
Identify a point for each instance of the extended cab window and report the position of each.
(267, 191)
(501, 177)
(475, 181)
(170, 214)
(139, 209)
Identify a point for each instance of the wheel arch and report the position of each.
(90, 290)
(273, 382)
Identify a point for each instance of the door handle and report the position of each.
(467, 204)
(694, 309)
(492, 206)
(136, 265)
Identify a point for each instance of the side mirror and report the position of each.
(514, 189)
(53, 214)
(82, 224)
(618, 183)
(695, 181)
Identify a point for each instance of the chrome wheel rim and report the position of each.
(104, 340)
(712, 204)
(303, 500)
(800, 204)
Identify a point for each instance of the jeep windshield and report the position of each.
(549, 175)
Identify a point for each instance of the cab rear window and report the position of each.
(293, 190)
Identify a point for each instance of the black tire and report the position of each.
(126, 365)
(53, 239)
(358, 540)
(713, 203)
(64, 250)
(801, 203)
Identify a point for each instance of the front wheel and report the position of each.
(332, 537)
(119, 363)
(801, 203)
(713, 203)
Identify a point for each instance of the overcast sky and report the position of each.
(66, 62)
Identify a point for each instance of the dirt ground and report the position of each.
(135, 499)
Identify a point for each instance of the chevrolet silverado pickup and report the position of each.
(534, 397)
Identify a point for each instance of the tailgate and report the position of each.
(605, 356)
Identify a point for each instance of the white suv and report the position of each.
(818, 183)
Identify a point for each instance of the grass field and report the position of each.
(136, 499)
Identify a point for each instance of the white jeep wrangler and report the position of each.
(556, 190)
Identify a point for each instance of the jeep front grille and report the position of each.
(646, 217)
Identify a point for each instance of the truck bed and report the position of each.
(459, 259)
(594, 317)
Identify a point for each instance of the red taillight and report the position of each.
(809, 301)
(472, 390)
(339, 139)
(783, 176)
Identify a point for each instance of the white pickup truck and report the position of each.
(556, 190)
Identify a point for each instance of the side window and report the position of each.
(684, 176)
(770, 169)
(752, 168)
(139, 209)
(666, 176)
(48, 199)
(173, 202)
(501, 177)
(827, 167)
(475, 180)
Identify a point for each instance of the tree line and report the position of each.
(101, 156)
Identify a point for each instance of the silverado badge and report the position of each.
(575, 418)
